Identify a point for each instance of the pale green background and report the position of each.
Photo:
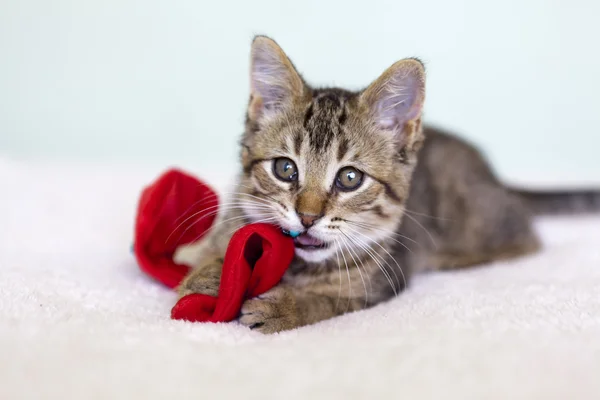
(166, 81)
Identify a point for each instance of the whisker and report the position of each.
(337, 303)
(211, 197)
(205, 199)
(216, 224)
(358, 268)
(260, 215)
(224, 206)
(266, 195)
(349, 281)
(215, 207)
(273, 201)
(388, 253)
(271, 218)
(422, 227)
(220, 223)
(254, 198)
(427, 215)
(371, 252)
(388, 237)
(240, 225)
(211, 211)
(371, 226)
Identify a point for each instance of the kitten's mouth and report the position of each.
(308, 242)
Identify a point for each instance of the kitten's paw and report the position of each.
(203, 280)
(273, 311)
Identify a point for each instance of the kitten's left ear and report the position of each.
(274, 82)
(396, 98)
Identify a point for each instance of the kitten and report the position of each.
(376, 196)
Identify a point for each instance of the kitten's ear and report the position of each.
(396, 98)
(274, 81)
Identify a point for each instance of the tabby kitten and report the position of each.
(341, 168)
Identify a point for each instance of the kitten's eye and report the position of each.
(285, 169)
(349, 179)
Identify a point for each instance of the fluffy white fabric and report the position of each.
(79, 320)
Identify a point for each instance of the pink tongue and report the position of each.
(307, 240)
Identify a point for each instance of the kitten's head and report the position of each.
(331, 164)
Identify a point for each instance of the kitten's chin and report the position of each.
(315, 255)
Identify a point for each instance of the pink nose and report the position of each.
(308, 220)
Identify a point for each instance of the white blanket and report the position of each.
(79, 320)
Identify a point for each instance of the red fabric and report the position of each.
(256, 259)
(178, 209)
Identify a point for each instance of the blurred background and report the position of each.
(165, 82)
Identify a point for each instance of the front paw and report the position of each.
(273, 311)
(203, 280)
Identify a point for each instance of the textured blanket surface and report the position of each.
(79, 320)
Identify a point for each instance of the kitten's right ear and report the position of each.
(395, 99)
(274, 81)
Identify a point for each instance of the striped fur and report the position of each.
(445, 211)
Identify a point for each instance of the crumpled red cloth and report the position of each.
(179, 209)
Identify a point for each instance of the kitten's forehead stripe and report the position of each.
(343, 117)
(342, 148)
(297, 142)
(324, 118)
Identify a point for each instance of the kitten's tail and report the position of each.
(561, 202)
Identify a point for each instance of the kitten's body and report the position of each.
(426, 199)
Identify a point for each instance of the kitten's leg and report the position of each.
(287, 307)
(284, 308)
(207, 256)
(203, 279)
(273, 311)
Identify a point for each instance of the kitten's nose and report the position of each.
(308, 220)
